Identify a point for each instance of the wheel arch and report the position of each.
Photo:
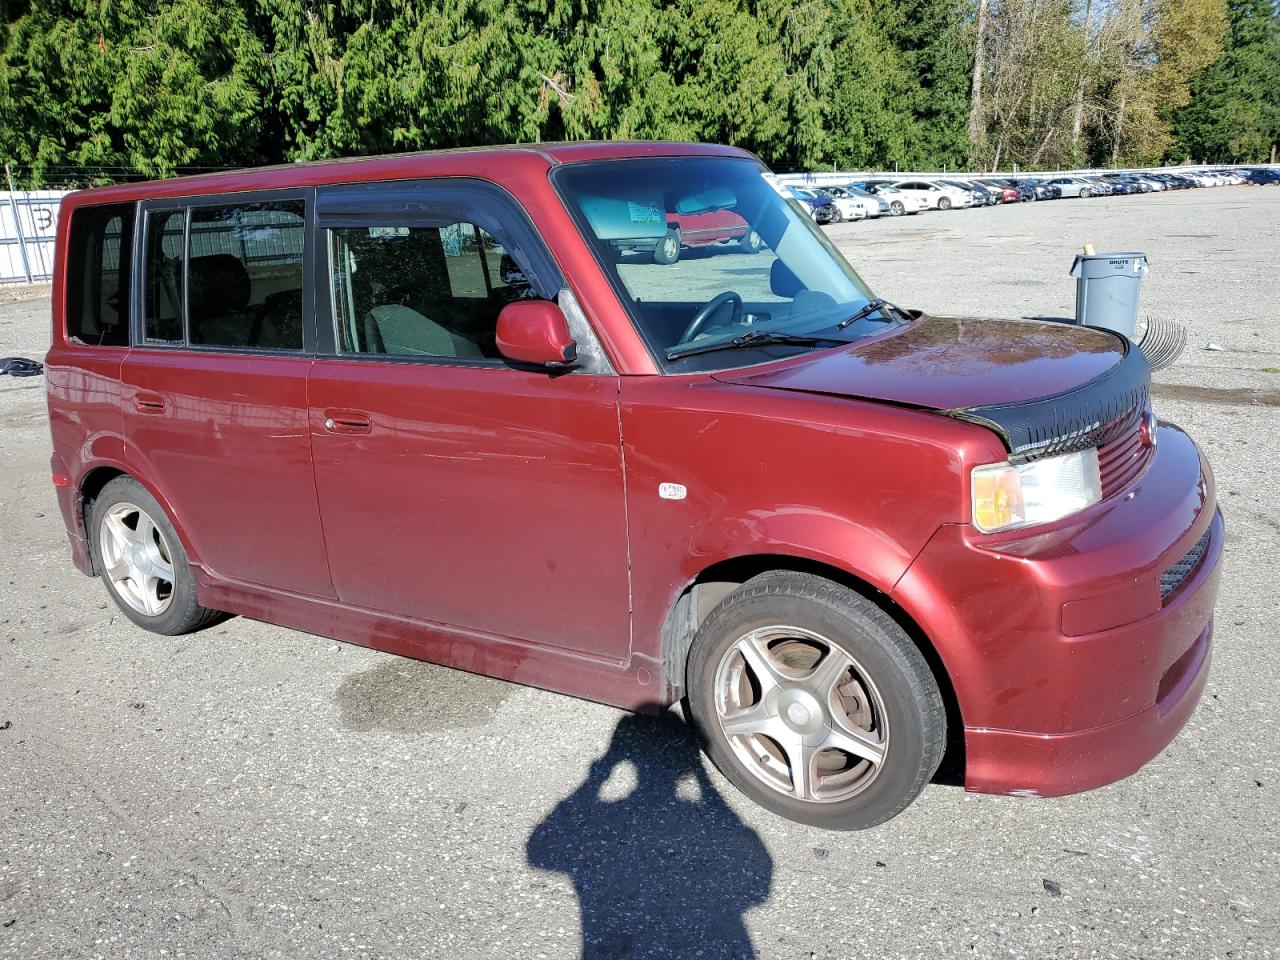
(90, 487)
(701, 594)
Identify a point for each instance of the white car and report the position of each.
(859, 203)
(1077, 187)
(847, 208)
(1203, 178)
(937, 196)
(899, 202)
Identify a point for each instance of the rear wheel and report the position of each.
(142, 561)
(750, 242)
(814, 703)
(668, 248)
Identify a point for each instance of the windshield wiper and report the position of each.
(871, 307)
(755, 338)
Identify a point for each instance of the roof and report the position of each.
(496, 163)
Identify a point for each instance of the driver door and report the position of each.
(455, 488)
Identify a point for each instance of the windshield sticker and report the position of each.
(644, 212)
(779, 187)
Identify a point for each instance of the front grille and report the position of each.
(1122, 459)
(1173, 578)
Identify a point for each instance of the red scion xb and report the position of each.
(432, 404)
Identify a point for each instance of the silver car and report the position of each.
(1078, 187)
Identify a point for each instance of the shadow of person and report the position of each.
(661, 865)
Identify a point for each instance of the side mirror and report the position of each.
(535, 332)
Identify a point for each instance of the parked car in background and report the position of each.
(1076, 187)
(1010, 183)
(1042, 189)
(899, 202)
(1026, 189)
(1157, 186)
(936, 195)
(819, 206)
(1114, 186)
(1203, 178)
(1101, 187)
(1261, 176)
(980, 196)
(872, 206)
(1174, 181)
(1008, 194)
(846, 208)
(851, 539)
(718, 228)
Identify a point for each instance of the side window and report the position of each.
(163, 285)
(245, 273)
(421, 291)
(98, 265)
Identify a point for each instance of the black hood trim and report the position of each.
(1086, 416)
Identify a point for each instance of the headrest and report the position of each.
(219, 285)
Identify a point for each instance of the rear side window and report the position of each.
(165, 278)
(245, 276)
(226, 275)
(98, 264)
(422, 291)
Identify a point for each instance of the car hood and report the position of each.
(1043, 387)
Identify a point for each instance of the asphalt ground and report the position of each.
(250, 791)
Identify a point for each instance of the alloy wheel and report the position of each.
(801, 714)
(136, 559)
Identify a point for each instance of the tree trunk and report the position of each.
(1115, 137)
(1077, 121)
(979, 67)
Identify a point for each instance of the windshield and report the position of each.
(708, 250)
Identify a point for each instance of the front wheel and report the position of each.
(814, 703)
(944, 203)
(142, 562)
(668, 248)
(836, 215)
(897, 208)
(1086, 193)
(750, 243)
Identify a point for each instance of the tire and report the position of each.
(750, 242)
(816, 636)
(944, 203)
(129, 531)
(667, 250)
(1085, 193)
(836, 215)
(897, 208)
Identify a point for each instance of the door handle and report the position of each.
(347, 421)
(148, 402)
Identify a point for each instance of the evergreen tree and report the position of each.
(1234, 111)
(125, 87)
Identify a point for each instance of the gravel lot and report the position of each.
(254, 792)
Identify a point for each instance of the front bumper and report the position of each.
(1070, 668)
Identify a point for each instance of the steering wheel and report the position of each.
(700, 319)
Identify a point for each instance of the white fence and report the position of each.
(28, 224)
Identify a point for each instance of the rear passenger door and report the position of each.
(214, 389)
(455, 487)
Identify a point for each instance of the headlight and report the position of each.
(1007, 495)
